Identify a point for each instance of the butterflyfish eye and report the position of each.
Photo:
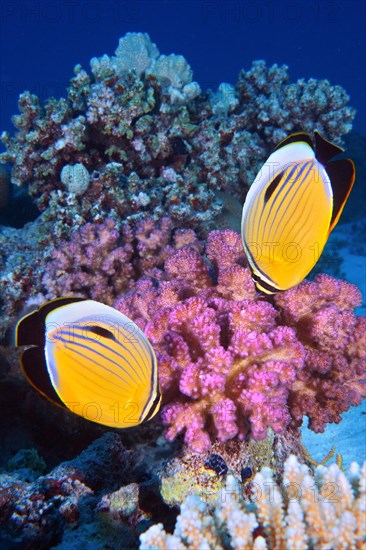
(294, 203)
(83, 358)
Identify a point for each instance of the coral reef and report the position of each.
(133, 142)
(232, 363)
(325, 510)
(137, 139)
(150, 141)
(125, 128)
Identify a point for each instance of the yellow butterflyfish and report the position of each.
(91, 359)
(291, 208)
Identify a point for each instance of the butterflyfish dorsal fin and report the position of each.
(35, 370)
(295, 138)
(29, 330)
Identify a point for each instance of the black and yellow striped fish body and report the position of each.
(290, 209)
(91, 359)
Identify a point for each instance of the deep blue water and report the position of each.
(41, 41)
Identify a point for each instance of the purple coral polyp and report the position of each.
(231, 364)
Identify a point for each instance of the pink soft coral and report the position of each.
(232, 363)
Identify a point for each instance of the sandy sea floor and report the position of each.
(349, 436)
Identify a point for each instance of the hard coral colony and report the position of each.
(279, 516)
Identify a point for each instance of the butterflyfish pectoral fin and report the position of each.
(91, 359)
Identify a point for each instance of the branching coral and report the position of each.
(96, 262)
(327, 510)
(124, 128)
(100, 261)
(232, 363)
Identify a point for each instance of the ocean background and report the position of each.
(42, 41)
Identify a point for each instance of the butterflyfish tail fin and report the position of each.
(324, 149)
(342, 174)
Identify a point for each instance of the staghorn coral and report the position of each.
(152, 142)
(305, 511)
(230, 362)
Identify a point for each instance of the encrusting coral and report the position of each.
(305, 511)
(232, 363)
(36, 514)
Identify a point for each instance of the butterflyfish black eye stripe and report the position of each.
(100, 331)
(272, 187)
(91, 359)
